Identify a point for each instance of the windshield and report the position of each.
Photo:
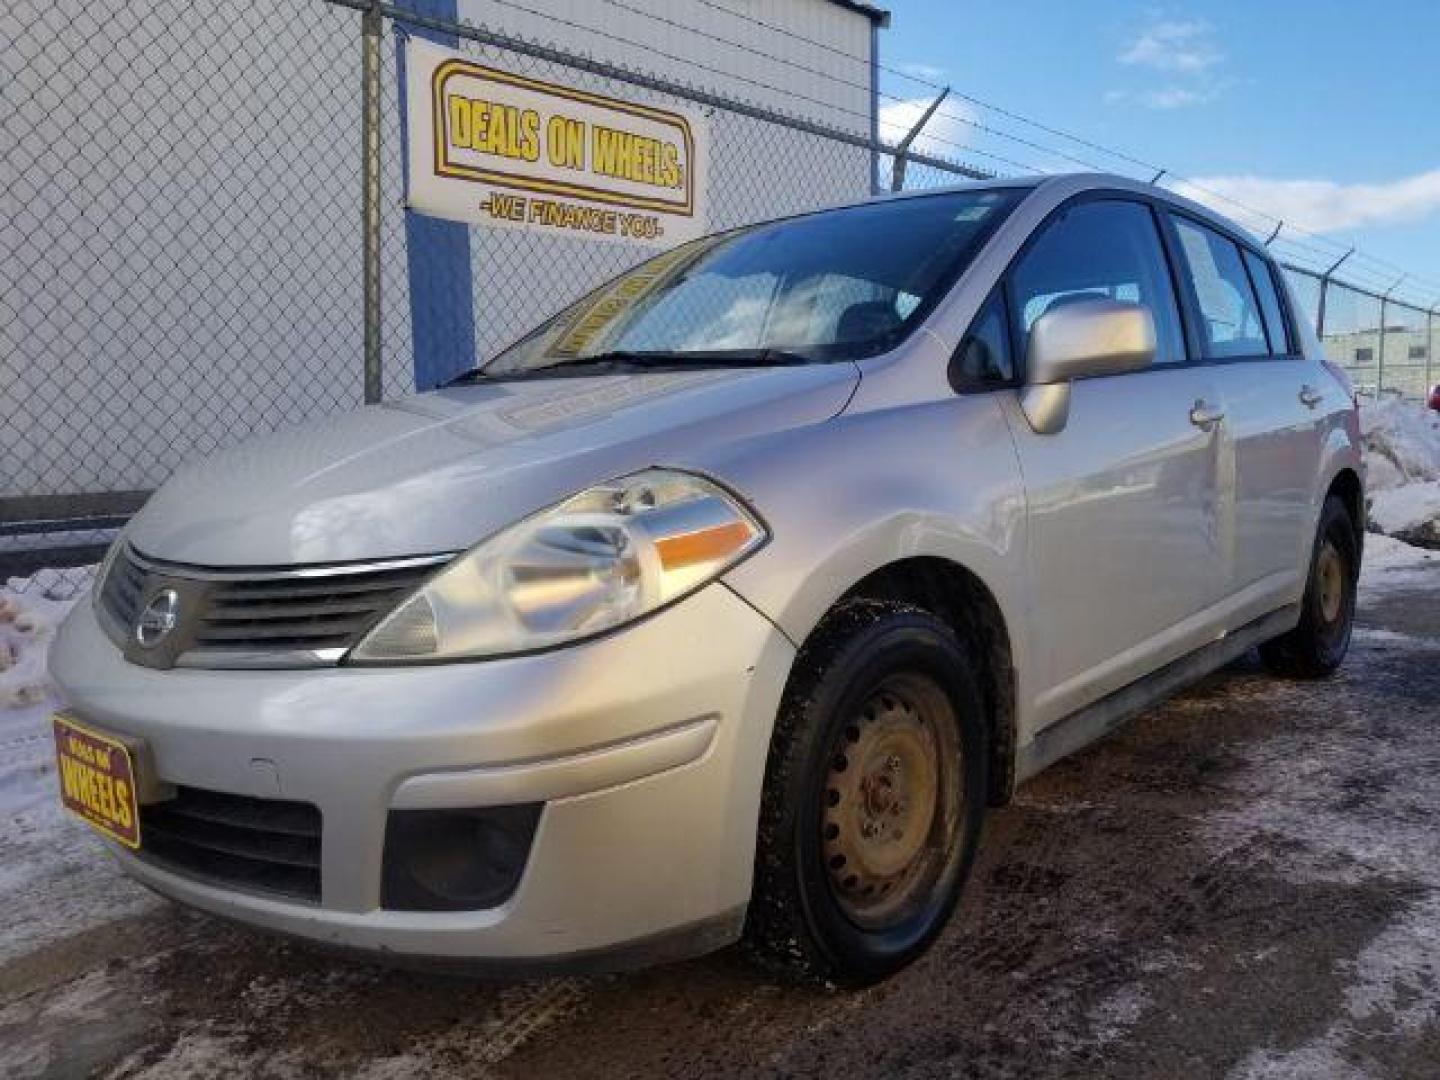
(839, 284)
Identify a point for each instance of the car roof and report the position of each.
(1064, 185)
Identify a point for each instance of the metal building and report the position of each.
(180, 235)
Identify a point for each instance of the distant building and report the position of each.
(1408, 362)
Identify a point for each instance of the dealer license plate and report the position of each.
(97, 779)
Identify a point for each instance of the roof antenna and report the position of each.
(1276, 232)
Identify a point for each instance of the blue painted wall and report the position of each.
(442, 299)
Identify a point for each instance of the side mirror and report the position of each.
(1078, 340)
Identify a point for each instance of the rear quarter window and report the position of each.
(1262, 276)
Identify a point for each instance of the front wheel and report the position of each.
(874, 796)
(1316, 647)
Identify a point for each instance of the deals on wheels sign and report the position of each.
(495, 148)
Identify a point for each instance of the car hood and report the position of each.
(440, 471)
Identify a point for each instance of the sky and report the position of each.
(1325, 113)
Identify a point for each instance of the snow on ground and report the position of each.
(1393, 985)
(1402, 443)
(46, 857)
(30, 612)
(1396, 509)
(1389, 563)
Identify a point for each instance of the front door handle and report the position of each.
(1204, 416)
(1310, 397)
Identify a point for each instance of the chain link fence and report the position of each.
(1386, 346)
(184, 239)
(179, 225)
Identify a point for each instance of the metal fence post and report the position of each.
(1380, 351)
(1429, 350)
(902, 148)
(1324, 289)
(371, 27)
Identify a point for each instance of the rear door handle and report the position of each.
(1310, 397)
(1204, 416)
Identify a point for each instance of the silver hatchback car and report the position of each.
(724, 603)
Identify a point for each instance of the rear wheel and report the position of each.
(874, 796)
(1317, 646)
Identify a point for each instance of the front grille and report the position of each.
(300, 613)
(262, 845)
(122, 588)
(300, 616)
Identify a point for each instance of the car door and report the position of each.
(1125, 522)
(1271, 397)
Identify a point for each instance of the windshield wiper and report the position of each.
(625, 359)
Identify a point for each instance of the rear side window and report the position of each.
(1230, 322)
(1108, 248)
(1263, 278)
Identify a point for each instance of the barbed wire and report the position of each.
(787, 92)
(934, 85)
(959, 118)
(1317, 244)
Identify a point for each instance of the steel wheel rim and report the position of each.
(891, 802)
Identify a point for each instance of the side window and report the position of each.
(1107, 248)
(1263, 279)
(1230, 322)
(983, 359)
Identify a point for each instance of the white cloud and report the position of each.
(1185, 51)
(928, 72)
(1178, 97)
(1320, 205)
(1183, 46)
(1165, 97)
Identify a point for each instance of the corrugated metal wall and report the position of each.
(180, 217)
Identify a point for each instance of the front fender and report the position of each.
(867, 489)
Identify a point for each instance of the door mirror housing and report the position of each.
(1077, 340)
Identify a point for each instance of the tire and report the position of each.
(874, 797)
(1317, 646)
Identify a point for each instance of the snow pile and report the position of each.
(1402, 461)
(1399, 510)
(1402, 443)
(30, 612)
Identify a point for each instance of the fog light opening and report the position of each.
(456, 860)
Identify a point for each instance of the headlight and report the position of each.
(596, 561)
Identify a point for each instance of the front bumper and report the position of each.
(647, 748)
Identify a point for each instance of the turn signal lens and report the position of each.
(597, 561)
